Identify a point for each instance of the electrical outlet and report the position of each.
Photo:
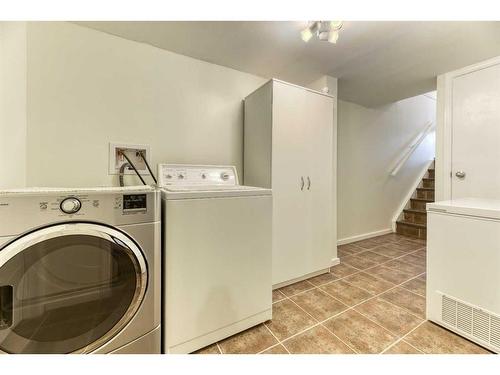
(116, 158)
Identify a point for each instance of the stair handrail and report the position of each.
(412, 147)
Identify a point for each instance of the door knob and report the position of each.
(460, 174)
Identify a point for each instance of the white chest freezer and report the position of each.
(463, 268)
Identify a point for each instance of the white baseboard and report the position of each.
(363, 236)
(296, 280)
(335, 261)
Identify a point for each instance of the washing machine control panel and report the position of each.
(182, 174)
(134, 202)
(25, 209)
(70, 205)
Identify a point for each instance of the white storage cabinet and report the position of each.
(288, 147)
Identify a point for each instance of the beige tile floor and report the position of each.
(372, 302)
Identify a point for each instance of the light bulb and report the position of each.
(306, 34)
(323, 35)
(333, 36)
(336, 25)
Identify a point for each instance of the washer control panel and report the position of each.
(26, 209)
(183, 174)
(134, 202)
(70, 205)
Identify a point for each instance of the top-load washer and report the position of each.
(216, 254)
(80, 271)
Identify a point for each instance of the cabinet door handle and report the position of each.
(302, 183)
(308, 183)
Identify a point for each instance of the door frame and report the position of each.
(444, 129)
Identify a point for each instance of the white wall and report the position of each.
(87, 88)
(12, 104)
(439, 193)
(370, 142)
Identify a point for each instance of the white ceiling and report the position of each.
(376, 62)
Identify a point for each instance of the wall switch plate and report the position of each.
(116, 159)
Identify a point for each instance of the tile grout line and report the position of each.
(412, 290)
(302, 291)
(341, 312)
(398, 335)
(384, 263)
(279, 341)
(354, 273)
(321, 323)
(219, 348)
(406, 310)
(413, 346)
(385, 291)
(274, 346)
(387, 261)
(374, 296)
(402, 337)
(312, 326)
(342, 341)
(370, 298)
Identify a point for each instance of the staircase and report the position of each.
(413, 220)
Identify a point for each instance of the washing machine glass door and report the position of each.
(68, 288)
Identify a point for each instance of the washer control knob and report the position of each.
(224, 176)
(70, 205)
(180, 176)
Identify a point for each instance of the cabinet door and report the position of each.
(288, 166)
(319, 203)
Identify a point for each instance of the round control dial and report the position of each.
(224, 176)
(70, 205)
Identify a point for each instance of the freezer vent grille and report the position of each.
(464, 317)
(495, 331)
(481, 325)
(449, 311)
(471, 320)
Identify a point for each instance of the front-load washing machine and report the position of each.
(80, 271)
(217, 248)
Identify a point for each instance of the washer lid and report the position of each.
(486, 208)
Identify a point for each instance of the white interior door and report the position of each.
(476, 134)
(319, 124)
(288, 182)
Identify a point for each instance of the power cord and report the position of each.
(133, 167)
(147, 166)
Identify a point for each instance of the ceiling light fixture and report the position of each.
(306, 34)
(333, 36)
(324, 31)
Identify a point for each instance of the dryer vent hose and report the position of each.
(122, 171)
(133, 167)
